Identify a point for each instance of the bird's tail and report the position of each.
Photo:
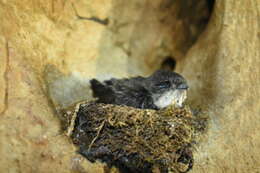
(100, 91)
(97, 87)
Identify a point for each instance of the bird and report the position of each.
(161, 89)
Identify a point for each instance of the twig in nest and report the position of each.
(99, 130)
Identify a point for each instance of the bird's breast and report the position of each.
(173, 97)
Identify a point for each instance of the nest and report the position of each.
(136, 140)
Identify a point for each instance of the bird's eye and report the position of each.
(163, 85)
(178, 80)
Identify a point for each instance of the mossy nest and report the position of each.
(136, 140)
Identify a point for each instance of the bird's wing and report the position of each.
(129, 92)
(113, 91)
(122, 84)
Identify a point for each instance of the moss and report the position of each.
(137, 140)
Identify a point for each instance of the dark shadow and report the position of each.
(210, 5)
(169, 63)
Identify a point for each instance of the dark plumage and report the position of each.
(154, 92)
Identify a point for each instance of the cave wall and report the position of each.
(46, 51)
(223, 71)
(66, 43)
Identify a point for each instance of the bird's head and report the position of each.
(167, 87)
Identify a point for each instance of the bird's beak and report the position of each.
(183, 86)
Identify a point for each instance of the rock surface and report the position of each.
(223, 70)
(45, 50)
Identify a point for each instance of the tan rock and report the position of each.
(223, 71)
(222, 68)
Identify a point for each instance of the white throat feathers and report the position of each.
(176, 97)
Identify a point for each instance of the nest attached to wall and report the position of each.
(136, 140)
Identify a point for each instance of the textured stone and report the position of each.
(3, 75)
(223, 71)
(222, 67)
